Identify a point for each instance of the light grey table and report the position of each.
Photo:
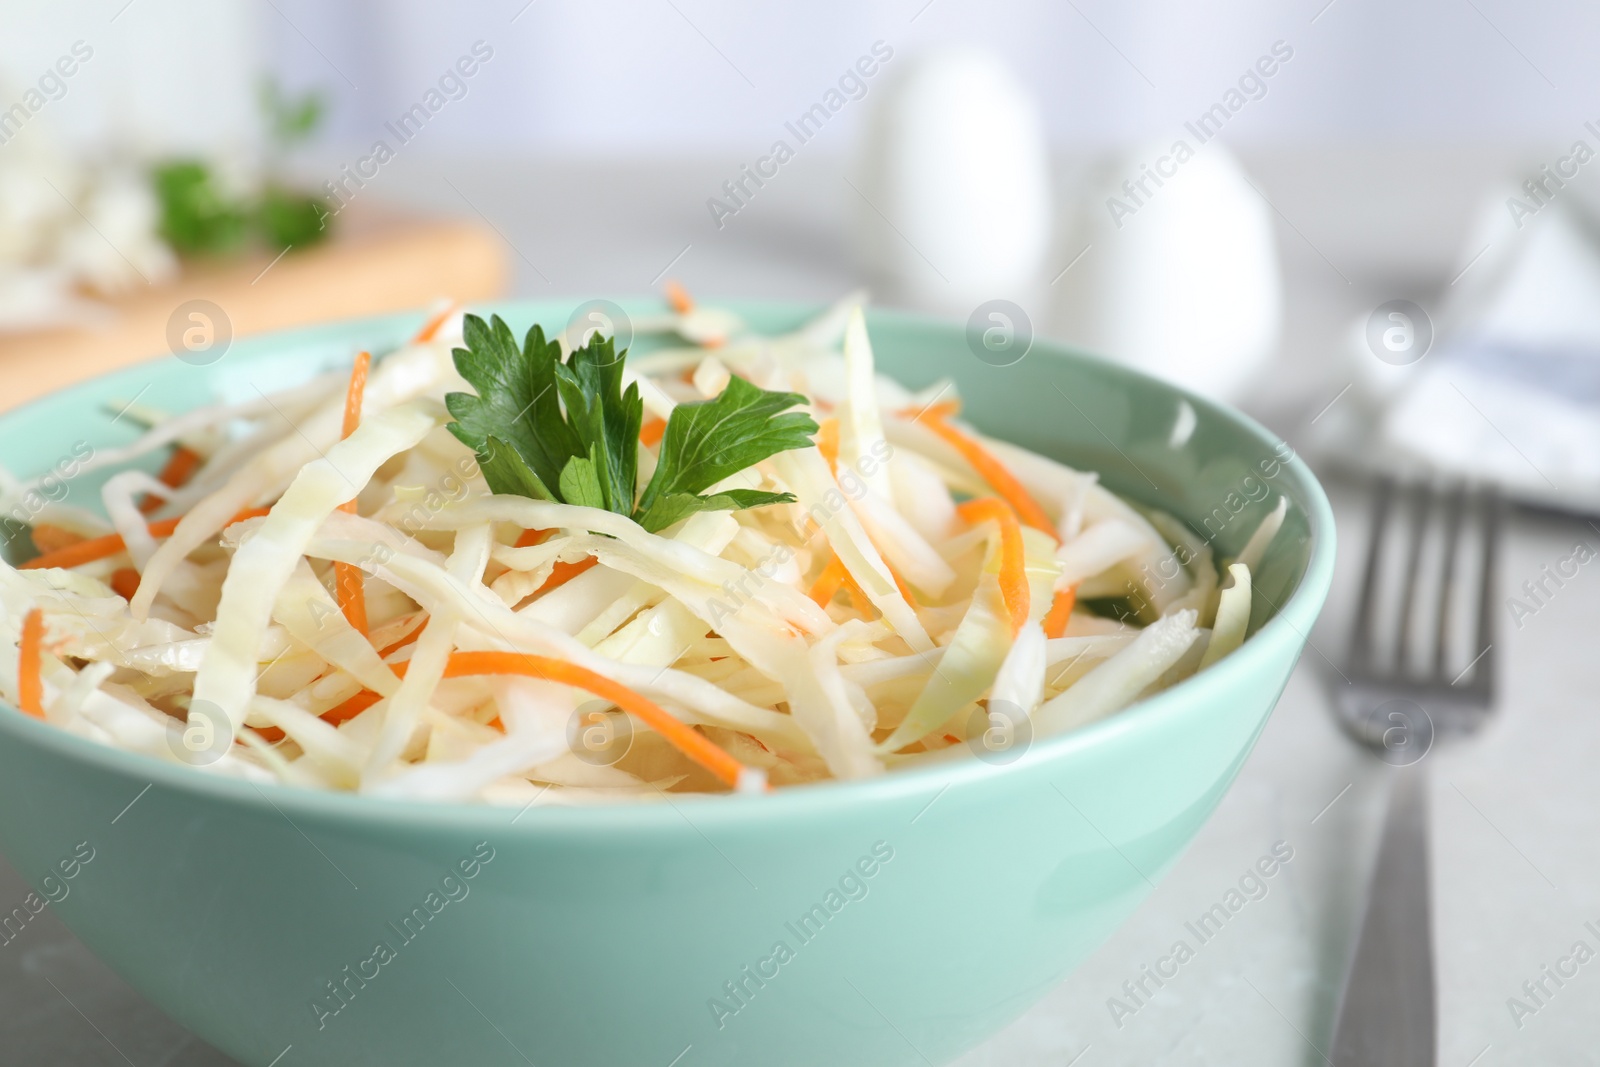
(1516, 812)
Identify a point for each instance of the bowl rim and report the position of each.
(1289, 625)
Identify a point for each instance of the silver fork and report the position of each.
(1398, 706)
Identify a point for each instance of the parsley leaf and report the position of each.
(288, 219)
(569, 431)
(580, 484)
(200, 215)
(197, 215)
(605, 418)
(705, 443)
(679, 506)
(516, 393)
(506, 471)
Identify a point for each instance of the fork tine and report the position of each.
(1421, 502)
(1361, 638)
(1493, 509)
(1453, 505)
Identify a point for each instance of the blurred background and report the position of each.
(1370, 225)
(1207, 191)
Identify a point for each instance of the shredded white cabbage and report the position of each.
(489, 663)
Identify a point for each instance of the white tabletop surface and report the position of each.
(1516, 810)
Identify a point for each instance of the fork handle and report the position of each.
(1386, 1010)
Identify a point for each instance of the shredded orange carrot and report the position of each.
(125, 582)
(942, 409)
(836, 576)
(828, 442)
(652, 431)
(363, 700)
(354, 392)
(356, 704)
(82, 552)
(828, 582)
(467, 664)
(347, 578)
(991, 470)
(858, 595)
(1013, 575)
(30, 682)
(349, 584)
(564, 573)
(179, 469)
(900, 584)
(1055, 623)
(678, 298)
(431, 327)
(49, 538)
(682, 736)
(408, 638)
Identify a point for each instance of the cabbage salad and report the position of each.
(538, 570)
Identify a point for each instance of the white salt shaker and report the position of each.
(1178, 274)
(954, 182)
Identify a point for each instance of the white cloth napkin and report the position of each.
(1510, 393)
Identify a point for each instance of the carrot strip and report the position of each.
(900, 584)
(180, 467)
(828, 582)
(942, 409)
(858, 595)
(467, 664)
(350, 585)
(651, 432)
(100, 547)
(125, 582)
(357, 704)
(50, 538)
(564, 573)
(1055, 623)
(828, 445)
(348, 580)
(836, 576)
(828, 442)
(30, 682)
(363, 700)
(354, 392)
(1013, 576)
(431, 327)
(682, 736)
(991, 470)
(678, 298)
(401, 642)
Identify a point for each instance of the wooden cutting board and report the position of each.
(377, 262)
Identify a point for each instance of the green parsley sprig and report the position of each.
(569, 432)
(201, 216)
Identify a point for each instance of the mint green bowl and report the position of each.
(612, 936)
